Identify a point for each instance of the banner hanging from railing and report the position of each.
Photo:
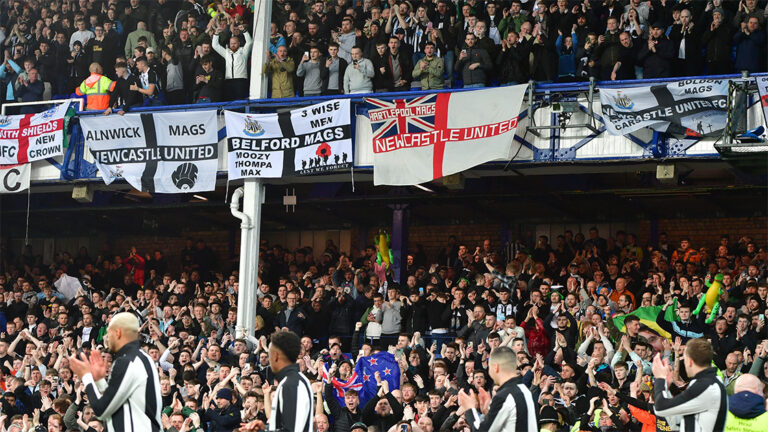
(14, 178)
(694, 108)
(311, 140)
(30, 137)
(762, 89)
(159, 153)
(424, 138)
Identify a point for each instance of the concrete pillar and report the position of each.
(399, 242)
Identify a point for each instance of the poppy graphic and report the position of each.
(323, 151)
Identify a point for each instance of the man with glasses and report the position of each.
(293, 317)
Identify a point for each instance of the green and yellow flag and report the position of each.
(648, 316)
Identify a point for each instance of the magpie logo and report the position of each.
(185, 176)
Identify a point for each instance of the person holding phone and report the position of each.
(312, 69)
(357, 77)
(430, 69)
(473, 63)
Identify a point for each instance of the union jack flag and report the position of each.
(352, 383)
(402, 115)
(423, 138)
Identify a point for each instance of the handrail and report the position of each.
(79, 101)
(358, 98)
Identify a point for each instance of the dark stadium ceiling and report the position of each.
(700, 189)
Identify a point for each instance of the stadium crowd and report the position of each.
(138, 53)
(554, 305)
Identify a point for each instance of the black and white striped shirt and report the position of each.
(512, 409)
(292, 404)
(702, 407)
(131, 400)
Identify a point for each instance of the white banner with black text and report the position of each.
(156, 153)
(30, 137)
(310, 140)
(762, 89)
(694, 108)
(14, 178)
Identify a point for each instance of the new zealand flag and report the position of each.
(382, 362)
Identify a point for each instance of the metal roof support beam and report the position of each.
(399, 244)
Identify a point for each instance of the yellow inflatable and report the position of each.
(712, 298)
(383, 253)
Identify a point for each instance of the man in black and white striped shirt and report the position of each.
(292, 407)
(512, 407)
(703, 405)
(131, 400)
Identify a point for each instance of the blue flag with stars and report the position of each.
(385, 364)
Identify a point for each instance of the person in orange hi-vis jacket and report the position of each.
(96, 89)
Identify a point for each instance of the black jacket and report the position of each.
(717, 43)
(404, 58)
(341, 315)
(381, 80)
(656, 64)
(342, 69)
(513, 64)
(690, 65)
(123, 96)
(382, 423)
(478, 75)
(435, 316)
(544, 60)
(414, 317)
(295, 322)
(213, 88)
(343, 417)
(46, 65)
(627, 57)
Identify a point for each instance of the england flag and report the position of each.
(424, 138)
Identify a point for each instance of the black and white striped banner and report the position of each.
(157, 153)
(762, 89)
(691, 107)
(310, 140)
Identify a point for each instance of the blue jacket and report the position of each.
(566, 65)
(750, 50)
(32, 92)
(10, 78)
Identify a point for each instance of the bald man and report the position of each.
(731, 372)
(130, 401)
(425, 423)
(512, 406)
(321, 423)
(746, 408)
